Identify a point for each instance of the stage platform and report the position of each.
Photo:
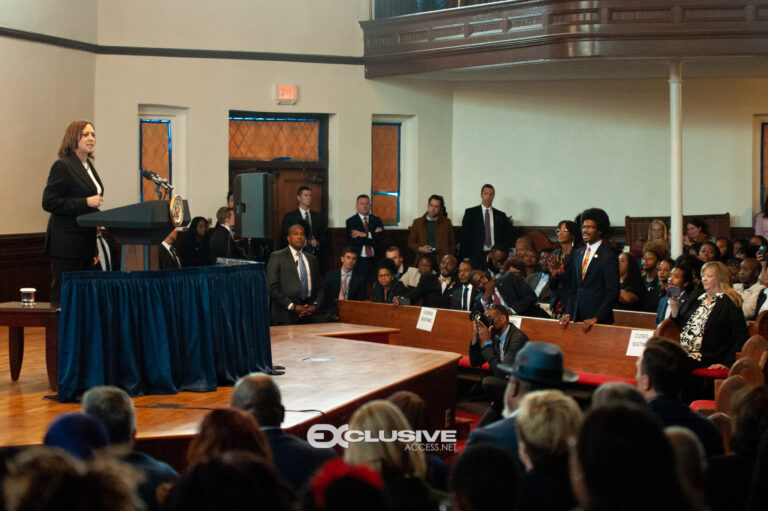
(331, 369)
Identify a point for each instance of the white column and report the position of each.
(676, 157)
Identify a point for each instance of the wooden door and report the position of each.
(286, 182)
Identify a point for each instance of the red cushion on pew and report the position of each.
(598, 379)
(711, 373)
(464, 362)
(702, 404)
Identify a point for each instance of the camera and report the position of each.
(480, 315)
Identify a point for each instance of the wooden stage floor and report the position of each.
(329, 369)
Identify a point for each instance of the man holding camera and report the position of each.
(496, 341)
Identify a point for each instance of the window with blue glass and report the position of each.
(385, 165)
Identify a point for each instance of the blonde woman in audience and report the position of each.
(658, 235)
(402, 465)
(546, 421)
(714, 330)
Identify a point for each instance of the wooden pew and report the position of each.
(601, 351)
(636, 228)
(634, 319)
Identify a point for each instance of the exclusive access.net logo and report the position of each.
(328, 435)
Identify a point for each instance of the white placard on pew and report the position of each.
(516, 320)
(637, 341)
(426, 319)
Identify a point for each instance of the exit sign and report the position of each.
(286, 94)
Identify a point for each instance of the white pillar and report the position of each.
(676, 157)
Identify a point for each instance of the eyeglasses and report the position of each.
(561, 229)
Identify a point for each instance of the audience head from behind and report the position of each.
(487, 194)
(338, 486)
(537, 366)
(594, 225)
(258, 395)
(749, 416)
(235, 481)
(114, 408)
(662, 369)
(513, 264)
(226, 217)
(624, 461)
(228, 430)
(393, 460)
(41, 478)
(78, 434)
(484, 478)
(413, 407)
(690, 458)
(547, 421)
(465, 270)
(617, 393)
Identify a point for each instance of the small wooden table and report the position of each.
(16, 316)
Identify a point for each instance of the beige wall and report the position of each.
(70, 19)
(283, 26)
(42, 89)
(554, 148)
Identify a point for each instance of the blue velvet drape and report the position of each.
(162, 332)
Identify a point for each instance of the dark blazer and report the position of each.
(672, 412)
(377, 238)
(501, 434)
(285, 286)
(686, 299)
(295, 460)
(318, 229)
(458, 292)
(166, 260)
(518, 295)
(221, 244)
(430, 290)
(533, 281)
(596, 294)
(356, 289)
(396, 289)
(724, 334)
(473, 232)
(479, 354)
(559, 286)
(64, 197)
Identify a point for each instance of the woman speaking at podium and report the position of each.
(73, 189)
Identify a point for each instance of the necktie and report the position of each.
(496, 298)
(487, 228)
(174, 256)
(464, 296)
(303, 277)
(585, 262)
(308, 221)
(343, 291)
(368, 248)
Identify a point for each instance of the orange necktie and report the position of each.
(585, 262)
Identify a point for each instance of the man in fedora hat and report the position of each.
(537, 366)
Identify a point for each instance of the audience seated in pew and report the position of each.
(484, 478)
(650, 279)
(413, 275)
(539, 279)
(632, 291)
(748, 287)
(463, 297)
(435, 290)
(387, 289)
(509, 290)
(681, 289)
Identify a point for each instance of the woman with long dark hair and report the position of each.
(569, 238)
(194, 248)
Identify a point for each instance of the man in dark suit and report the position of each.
(169, 260)
(365, 233)
(436, 289)
(537, 366)
(221, 243)
(463, 297)
(594, 274)
(295, 460)
(312, 221)
(295, 284)
(483, 227)
(510, 290)
(661, 373)
(343, 284)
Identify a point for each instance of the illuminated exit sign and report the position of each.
(286, 94)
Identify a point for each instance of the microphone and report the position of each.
(151, 176)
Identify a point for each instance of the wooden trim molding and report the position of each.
(141, 51)
(520, 31)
